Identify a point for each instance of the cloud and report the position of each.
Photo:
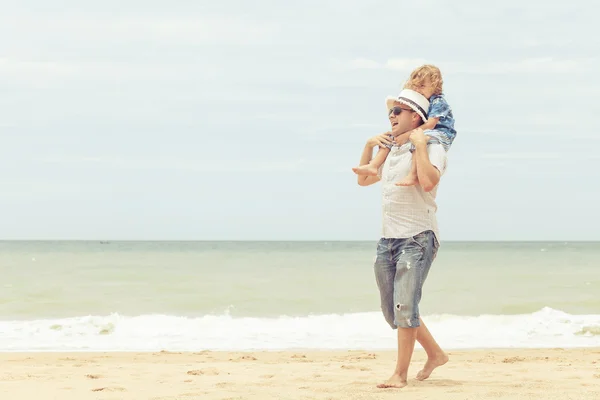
(165, 163)
(363, 63)
(523, 156)
(393, 64)
(538, 65)
(136, 29)
(401, 64)
(32, 71)
(29, 189)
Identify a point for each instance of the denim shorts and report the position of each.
(401, 268)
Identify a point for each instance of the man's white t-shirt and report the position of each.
(408, 210)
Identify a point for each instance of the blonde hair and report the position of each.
(420, 75)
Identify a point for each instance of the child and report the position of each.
(426, 80)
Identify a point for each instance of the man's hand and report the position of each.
(417, 137)
(380, 140)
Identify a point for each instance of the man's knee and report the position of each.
(406, 315)
(390, 317)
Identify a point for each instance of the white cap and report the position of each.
(411, 98)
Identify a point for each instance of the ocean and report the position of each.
(247, 296)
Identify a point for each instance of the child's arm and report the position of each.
(430, 124)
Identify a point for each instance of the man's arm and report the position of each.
(428, 174)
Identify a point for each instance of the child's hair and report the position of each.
(417, 78)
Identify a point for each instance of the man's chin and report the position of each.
(398, 132)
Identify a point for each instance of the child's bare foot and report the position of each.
(408, 181)
(365, 170)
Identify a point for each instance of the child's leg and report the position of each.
(372, 167)
(411, 178)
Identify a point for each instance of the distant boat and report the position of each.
(104, 242)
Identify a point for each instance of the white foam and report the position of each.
(542, 329)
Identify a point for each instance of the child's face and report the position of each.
(427, 89)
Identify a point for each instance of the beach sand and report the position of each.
(476, 374)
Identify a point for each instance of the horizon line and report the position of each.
(297, 240)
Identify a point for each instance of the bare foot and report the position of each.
(394, 382)
(408, 181)
(365, 170)
(431, 364)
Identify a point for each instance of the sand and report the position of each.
(477, 374)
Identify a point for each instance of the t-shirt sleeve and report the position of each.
(439, 108)
(437, 157)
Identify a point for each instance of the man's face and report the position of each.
(402, 118)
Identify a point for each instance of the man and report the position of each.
(409, 241)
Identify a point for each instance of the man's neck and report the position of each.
(402, 138)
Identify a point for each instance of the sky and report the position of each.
(237, 120)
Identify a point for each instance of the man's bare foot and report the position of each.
(431, 364)
(395, 381)
(408, 181)
(365, 170)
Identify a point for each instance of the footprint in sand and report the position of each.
(244, 358)
(355, 367)
(301, 358)
(267, 376)
(169, 352)
(511, 360)
(93, 376)
(369, 356)
(208, 371)
(110, 389)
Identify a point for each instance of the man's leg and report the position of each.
(406, 345)
(413, 260)
(385, 272)
(385, 275)
(436, 357)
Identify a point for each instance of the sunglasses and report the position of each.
(397, 110)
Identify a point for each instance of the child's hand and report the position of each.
(417, 137)
(380, 140)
